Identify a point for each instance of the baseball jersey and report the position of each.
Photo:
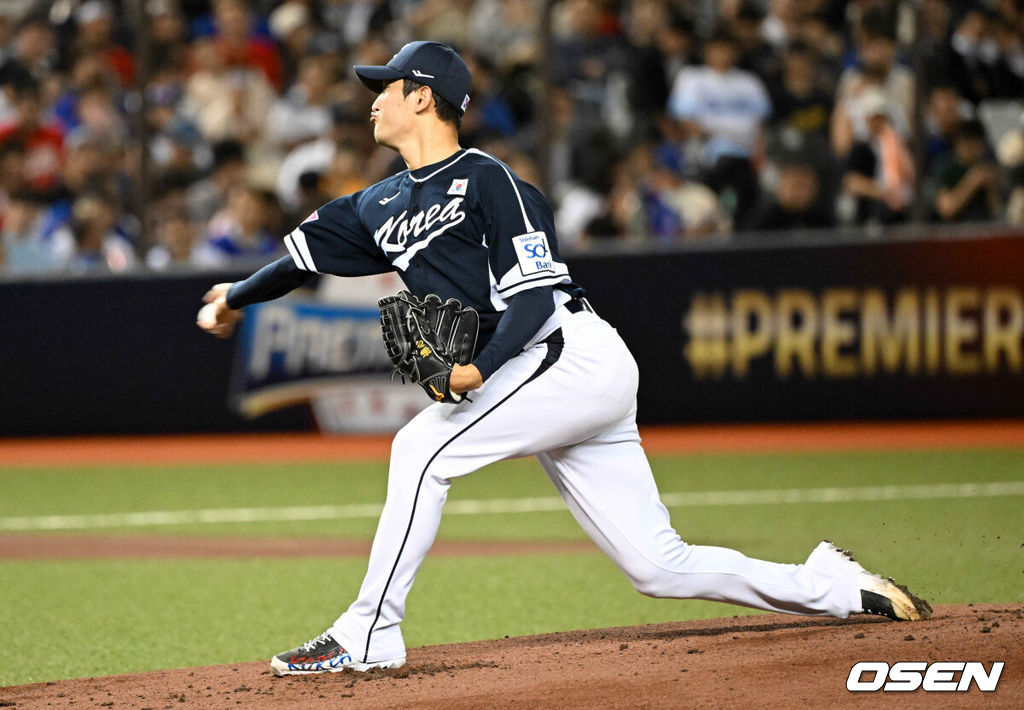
(466, 228)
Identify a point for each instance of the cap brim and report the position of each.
(375, 77)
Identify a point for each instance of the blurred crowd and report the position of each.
(163, 133)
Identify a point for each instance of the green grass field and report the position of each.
(96, 617)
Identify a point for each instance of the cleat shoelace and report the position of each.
(322, 638)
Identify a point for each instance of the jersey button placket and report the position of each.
(415, 200)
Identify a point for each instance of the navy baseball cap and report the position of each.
(429, 63)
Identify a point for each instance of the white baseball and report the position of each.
(207, 317)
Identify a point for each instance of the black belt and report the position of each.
(578, 304)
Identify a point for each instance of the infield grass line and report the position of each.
(682, 499)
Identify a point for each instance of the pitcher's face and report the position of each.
(392, 113)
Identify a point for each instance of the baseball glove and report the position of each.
(425, 339)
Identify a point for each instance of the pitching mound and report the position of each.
(751, 661)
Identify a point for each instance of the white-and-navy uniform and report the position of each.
(469, 228)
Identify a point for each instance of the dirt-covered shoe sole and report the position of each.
(886, 598)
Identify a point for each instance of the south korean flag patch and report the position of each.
(459, 187)
(533, 253)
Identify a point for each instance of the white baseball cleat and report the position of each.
(884, 597)
(323, 655)
(880, 595)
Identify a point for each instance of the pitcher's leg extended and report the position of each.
(607, 484)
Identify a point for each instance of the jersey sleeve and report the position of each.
(520, 235)
(334, 240)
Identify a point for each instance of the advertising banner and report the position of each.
(292, 352)
(873, 330)
(811, 332)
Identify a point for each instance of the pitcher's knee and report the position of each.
(649, 580)
(412, 447)
(406, 440)
(415, 459)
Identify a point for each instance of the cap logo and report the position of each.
(417, 72)
(465, 103)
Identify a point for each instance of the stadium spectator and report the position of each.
(593, 161)
(89, 73)
(797, 199)
(967, 183)
(94, 35)
(445, 21)
(756, 53)
(303, 113)
(781, 24)
(175, 240)
(43, 141)
(942, 120)
(310, 194)
(357, 21)
(241, 230)
(987, 59)
(95, 109)
(645, 22)
(227, 100)
(674, 208)
(723, 109)
(507, 31)
(91, 242)
(933, 42)
(207, 196)
(91, 160)
(240, 49)
(22, 246)
(265, 75)
(877, 70)
(676, 44)
(591, 59)
(33, 46)
(317, 156)
(12, 75)
(564, 139)
(168, 39)
(492, 115)
(815, 31)
(164, 94)
(179, 148)
(802, 105)
(619, 218)
(291, 24)
(345, 174)
(12, 176)
(880, 171)
(175, 142)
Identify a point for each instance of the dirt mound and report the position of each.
(751, 661)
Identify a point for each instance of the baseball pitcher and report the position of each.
(494, 329)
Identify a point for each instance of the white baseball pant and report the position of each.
(574, 408)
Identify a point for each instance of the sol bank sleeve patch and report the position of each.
(533, 253)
